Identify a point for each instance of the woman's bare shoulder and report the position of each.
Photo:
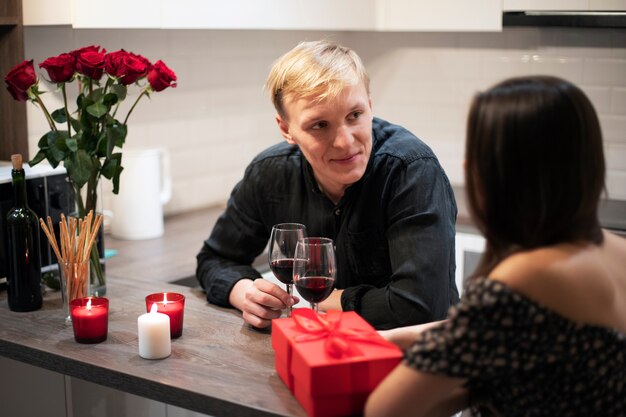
(583, 282)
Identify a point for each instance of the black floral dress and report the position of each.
(523, 359)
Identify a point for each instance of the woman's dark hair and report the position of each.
(534, 166)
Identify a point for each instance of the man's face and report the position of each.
(335, 136)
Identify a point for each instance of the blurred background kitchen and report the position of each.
(426, 60)
(219, 116)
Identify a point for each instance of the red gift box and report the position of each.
(331, 362)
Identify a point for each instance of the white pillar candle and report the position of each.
(154, 334)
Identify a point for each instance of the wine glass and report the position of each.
(314, 269)
(281, 251)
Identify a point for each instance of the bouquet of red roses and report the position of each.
(89, 139)
(85, 140)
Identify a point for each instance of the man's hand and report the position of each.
(260, 301)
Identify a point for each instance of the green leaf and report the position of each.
(56, 147)
(96, 95)
(53, 162)
(112, 165)
(41, 155)
(59, 115)
(110, 99)
(116, 180)
(89, 142)
(97, 110)
(120, 91)
(75, 124)
(116, 134)
(72, 144)
(43, 142)
(101, 147)
(79, 167)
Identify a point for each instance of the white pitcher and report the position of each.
(145, 186)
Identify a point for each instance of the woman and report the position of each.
(541, 328)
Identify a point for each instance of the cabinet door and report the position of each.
(45, 12)
(269, 14)
(544, 5)
(440, 15)
(95, 14)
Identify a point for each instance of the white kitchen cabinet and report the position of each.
(94, 14)
(563, 5)
(440, 15)
(365, 15)
(45, 12)
(117, 14)
(269, 14)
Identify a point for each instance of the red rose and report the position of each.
(60, 68)
(126, 66)
(113, 63)
(20, 79)
(136, 67)
(92, 48)
(161, 77)
(90, 61)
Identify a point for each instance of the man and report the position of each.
(373, 187)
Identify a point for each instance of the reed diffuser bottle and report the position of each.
(24, 279)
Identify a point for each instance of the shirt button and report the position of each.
(337, 212)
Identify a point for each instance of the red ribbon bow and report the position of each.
(338, 342)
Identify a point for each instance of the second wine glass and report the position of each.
(314, 269)
(282, 249)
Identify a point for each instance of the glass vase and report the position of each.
(74, 283)
(87, 199)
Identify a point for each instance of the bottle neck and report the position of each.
(19, 188)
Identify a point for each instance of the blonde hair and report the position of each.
(319, 69)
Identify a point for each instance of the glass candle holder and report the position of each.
(172, 304)
(90, 319)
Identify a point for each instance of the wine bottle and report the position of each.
(24, 278)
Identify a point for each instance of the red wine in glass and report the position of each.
(283, 270)
(314, 269)
(282, 247)
(315, 289)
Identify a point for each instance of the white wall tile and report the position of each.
(600, 98)
(615, 156)
(609, 72)
(616, 184)
(569, 68)
(613, 128)
(618, 101)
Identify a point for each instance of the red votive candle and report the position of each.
(90, 319)
(172, 304)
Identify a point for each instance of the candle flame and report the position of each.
(89, 304)
(154, 308)
(165, 298)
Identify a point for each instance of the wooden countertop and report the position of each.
(219, 366)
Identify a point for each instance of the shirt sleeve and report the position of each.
(235, 241)
(420, 233)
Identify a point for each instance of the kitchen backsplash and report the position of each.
(219, 117)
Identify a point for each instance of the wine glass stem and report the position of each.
(290, 292)
(314, 307)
